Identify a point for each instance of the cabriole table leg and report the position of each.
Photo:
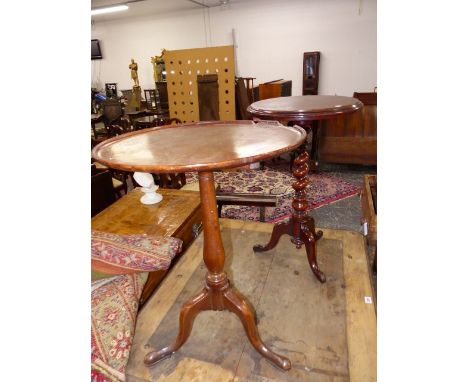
(217, 293)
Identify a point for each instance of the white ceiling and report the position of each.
(145, 7)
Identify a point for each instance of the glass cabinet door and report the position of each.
(310, 73)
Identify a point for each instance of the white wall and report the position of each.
(271, 37)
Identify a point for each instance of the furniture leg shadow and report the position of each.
(218, 295)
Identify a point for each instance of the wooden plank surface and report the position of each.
(301, 318)
(217, 337)
(351, 357)
(361, 317)
(129, 215)
(361, 320)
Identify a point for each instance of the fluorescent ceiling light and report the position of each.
(117, 8)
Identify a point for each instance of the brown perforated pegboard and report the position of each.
(182, 68)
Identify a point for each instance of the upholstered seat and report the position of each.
(114, 307)
(114, 299)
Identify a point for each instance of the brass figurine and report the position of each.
(158, 66)
(134, 72)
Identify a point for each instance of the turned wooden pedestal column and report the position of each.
(300, 227)
(205, 147)
(303, 111)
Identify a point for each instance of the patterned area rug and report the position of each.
(322, 189)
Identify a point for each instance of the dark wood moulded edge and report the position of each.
(167, 168)
(306, 115)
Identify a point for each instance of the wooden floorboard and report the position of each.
(328, 331)
(361, 317)
(301, 318)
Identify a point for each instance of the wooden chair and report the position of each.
(112, 115)
(172, 181)
(102, 190)
(97, 132)
(242, 99)
(118, 178)
(162, 98)
(132, 116)
(114, 130)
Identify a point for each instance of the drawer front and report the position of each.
(188, 231)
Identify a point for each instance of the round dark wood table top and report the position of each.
(309, 107)
(200, 146)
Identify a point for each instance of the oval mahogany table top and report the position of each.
(200, 146)
(308, 107)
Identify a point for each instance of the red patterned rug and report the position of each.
(322, 189)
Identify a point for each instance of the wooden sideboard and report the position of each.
(351, 138)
